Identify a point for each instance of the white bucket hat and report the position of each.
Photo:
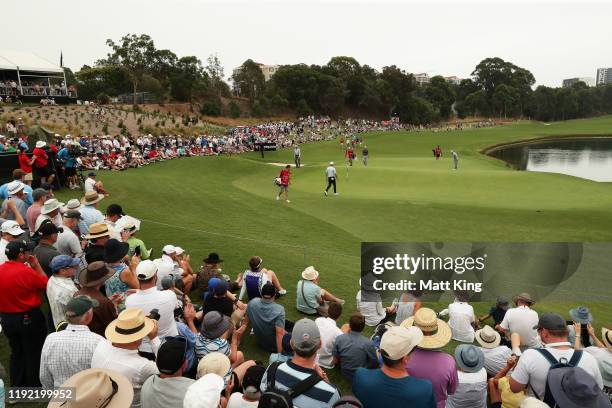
(14, 187)
(50, 205)
(310, 273)
(40, 144)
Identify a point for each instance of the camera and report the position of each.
(154, 314)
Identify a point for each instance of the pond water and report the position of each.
(585, 158)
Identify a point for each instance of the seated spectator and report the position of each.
(578, 334)
(371, 307)
(205, 393)
(214, 334)
(168, 388)
(114, 212)
(137, 246)
(256, 277)
(94, 385)
(495, 355)
(532, 368)
(499, 388)
(406, 306)
(169, 264)
(268, 320)
(61, 287)
(120, 350)
(461, 318)
(125, 277)
(67, 352)
(521, 322)
(45, 251)
(428, 361)
(98, 236)
(497, 311)
(91, 280)
(471, 390)
(93, 185)
(603, 354)
(390, 385)
(352, 350)
(218, 363)
(251, 389)
(285, 354)
(305, 340)
(222, 303)
(329, 332)
(149, 298)
(212, 269)
(311, 298)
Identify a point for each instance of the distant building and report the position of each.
(422, 78)
(267, 70)
(568, 83)
(604, 76)
(455, 80)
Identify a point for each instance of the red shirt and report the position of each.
(24, 162)
(21, 287)
(41, 158)
(284, 176)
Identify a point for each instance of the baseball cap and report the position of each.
(268, 290)
(167, 282)
(331, 163)
(169, 249)
(79, 305)
(146, 269)
(48, 228)
(14, 187)
(305, 335)
(91, 174)
(251, 381)
(551, 321)
(73, 214)
(114, 209)
(11, 227)
(178, 250)
(399, 341)
(221, 288)
(63, 261)
(16, 247)
(171, 355)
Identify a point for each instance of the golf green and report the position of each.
(227, 205)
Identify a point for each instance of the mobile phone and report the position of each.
(137, 251)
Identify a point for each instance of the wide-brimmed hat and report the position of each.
(115, 250)
(469, 358)
(532, 402)
(98, 387)
(581, 315)
(40, 144)
(573, 387)
(50, 206)
(98, 230)
(436, 332)
(525, 297)
(213, 258)
(310, 273)
(91, 197)
(606, 334)
(348, 401)
(488, 338)
(214, 324)
(72, 204)
(95, 274)
(131, 325)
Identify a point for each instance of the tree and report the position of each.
(503, 98)
(188, 79)
(249, 80)
(215, 72)
(331, 94)
(135, 53)
(441, 95)
(233, 109)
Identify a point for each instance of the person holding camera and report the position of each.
(67, 156)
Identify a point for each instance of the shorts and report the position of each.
(284, 187)
(44, 171)
(70, 171)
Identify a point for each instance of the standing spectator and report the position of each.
(390, 385)
(311, 298)
(125, 276)
(472, 388)
(455, 160)
(428, 361)
(330, 172)
(50, 211)
(603, 354)
(523, 321)
(120, 351)
(69, 351)
(23, 322)
(89, 212)
(92, 279)
(11, 231)
(284, 176)
(61, 287)
(16, 198)
(168, 388)
(149, 298)
(41, 163)
(461, 318)
(25, 163)
(67, 241)
(532, 368)
(365, 155)
(45, 251)
(98, 236)
(353, 350)
(305, 340)
(297, 156)
(495, 354)
(39, 196)
(329, 332)
(268, 320)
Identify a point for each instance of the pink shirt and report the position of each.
(437, 367)
(32, 214)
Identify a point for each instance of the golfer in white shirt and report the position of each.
(330, 172)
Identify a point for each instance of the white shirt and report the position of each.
(57, 220)
(604, 360)
(373, 312)
(460, 319)
(522, 320)
(471, 391)
(329, 331)
(532, 368)
(68, 243)
(165, 267)
(112, 229)
(3, 258)
(65, 353)
(495, 359)
(236, 401)
(163, 300)
(330, 171)
(127, 362)
(90, 184)
(59, 291)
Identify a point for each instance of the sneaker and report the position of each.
(277, 198)
(288, 201)
(341, 301)
(336, 194)
(282, 292)
(325, 193)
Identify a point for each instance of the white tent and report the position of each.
(23, 61)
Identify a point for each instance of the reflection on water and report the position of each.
(586, 158)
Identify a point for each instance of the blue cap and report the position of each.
(63, 261)
(92, 174)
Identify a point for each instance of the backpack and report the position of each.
(274, 398)
(562, 363)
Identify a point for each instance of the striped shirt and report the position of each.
(205, 345)
(321, 395)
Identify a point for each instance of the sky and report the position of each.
(553, 39)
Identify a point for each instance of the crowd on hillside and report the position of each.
(124, 330)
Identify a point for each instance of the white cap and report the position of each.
(40, 144)
(531, 402)
(146, 269)
(204, 393)
(178, 250)
(14, 187)
(11, 227)
(169, 249)
(331, 163)
(398, 341)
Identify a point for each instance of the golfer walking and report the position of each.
(455, 159)
(285, 174)
(297, 155)
(364, 155)
(330, 172)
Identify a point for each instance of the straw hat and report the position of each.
(525, 297)
(98, 230)
(606, 334)
(436, 332)
(488, 338)
(131, 325)
(97, 387)
(310, 273)
(91, 197)
(215, 363)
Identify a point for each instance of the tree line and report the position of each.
(496, 88)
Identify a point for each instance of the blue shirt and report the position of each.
(206, 346)
(375, 389)
(90, 215)
(64, 155)
(27, 191)
(354, 351)
(265, 316)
